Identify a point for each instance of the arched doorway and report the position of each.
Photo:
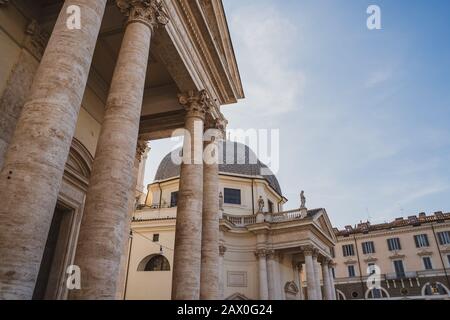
(377, 293)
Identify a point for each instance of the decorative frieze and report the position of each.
(149, 12)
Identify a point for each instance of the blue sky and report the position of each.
(363, 115)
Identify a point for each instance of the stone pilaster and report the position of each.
(34, 163)
(317, 271)
(326, 280)
(188, 242)
(262, 273)
(209, 283)
(310, 273)
(106, 220)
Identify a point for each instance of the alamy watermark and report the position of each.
(374, 19)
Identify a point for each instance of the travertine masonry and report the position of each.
(105, 220)
(35, 160)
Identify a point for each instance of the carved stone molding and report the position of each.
(195, 103)
(149, 12)
(36, 39)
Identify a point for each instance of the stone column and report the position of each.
(273, 276)
(333, 289)
(209, 276)
(106, 219)
(188, 235)
(222, 250)
(34, 163)
(326, 280)
(310, 274)
(317, 271)
(262, 273)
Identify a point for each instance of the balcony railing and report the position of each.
(243, 221)
(401, 275)
(240, 221)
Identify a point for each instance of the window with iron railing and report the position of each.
(394, 244)
(348, 250)
(368, 247)
(444, 237)
(421, 241)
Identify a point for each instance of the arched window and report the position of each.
(434, 289)
(340, 295)
(155, 262)
(375, 293)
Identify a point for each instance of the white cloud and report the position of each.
(378, 77)
(266, 55)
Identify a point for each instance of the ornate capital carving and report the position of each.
(261, 253)
(195, 103)
(149, 12)
(222, 250)
(141, 149)
(36, 39)
(308, 250)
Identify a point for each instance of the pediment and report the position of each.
(323, 222)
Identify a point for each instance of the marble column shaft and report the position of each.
(273, 272)
(34, 163)
(105, 222)
(262, 274)
(317, 272)
(188, 242)
(326, 281)
(298, 279)
(209, 282)
(333, 289)
(310, 276)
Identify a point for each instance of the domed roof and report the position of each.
(234, 158)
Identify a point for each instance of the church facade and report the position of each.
(264, 252)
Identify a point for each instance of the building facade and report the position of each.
(265, 252)
(411, 257)
(84, 85)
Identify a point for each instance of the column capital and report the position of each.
(149, 12)
(222, 250)
(308, 250)
(141, 149)
(196, 103)
(331, 264)
(261, 253)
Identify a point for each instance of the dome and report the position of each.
(244, 162)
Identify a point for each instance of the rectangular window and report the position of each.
(394, 244)
(427, 263)
(232, 196)
(334, 272)
(351, 271)
(421, 241)
(173, 199)
(444, 238)
(448, 258)
(399, 268)
(348, 250)
(156, 237)
(270, 203)
(368, 247)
